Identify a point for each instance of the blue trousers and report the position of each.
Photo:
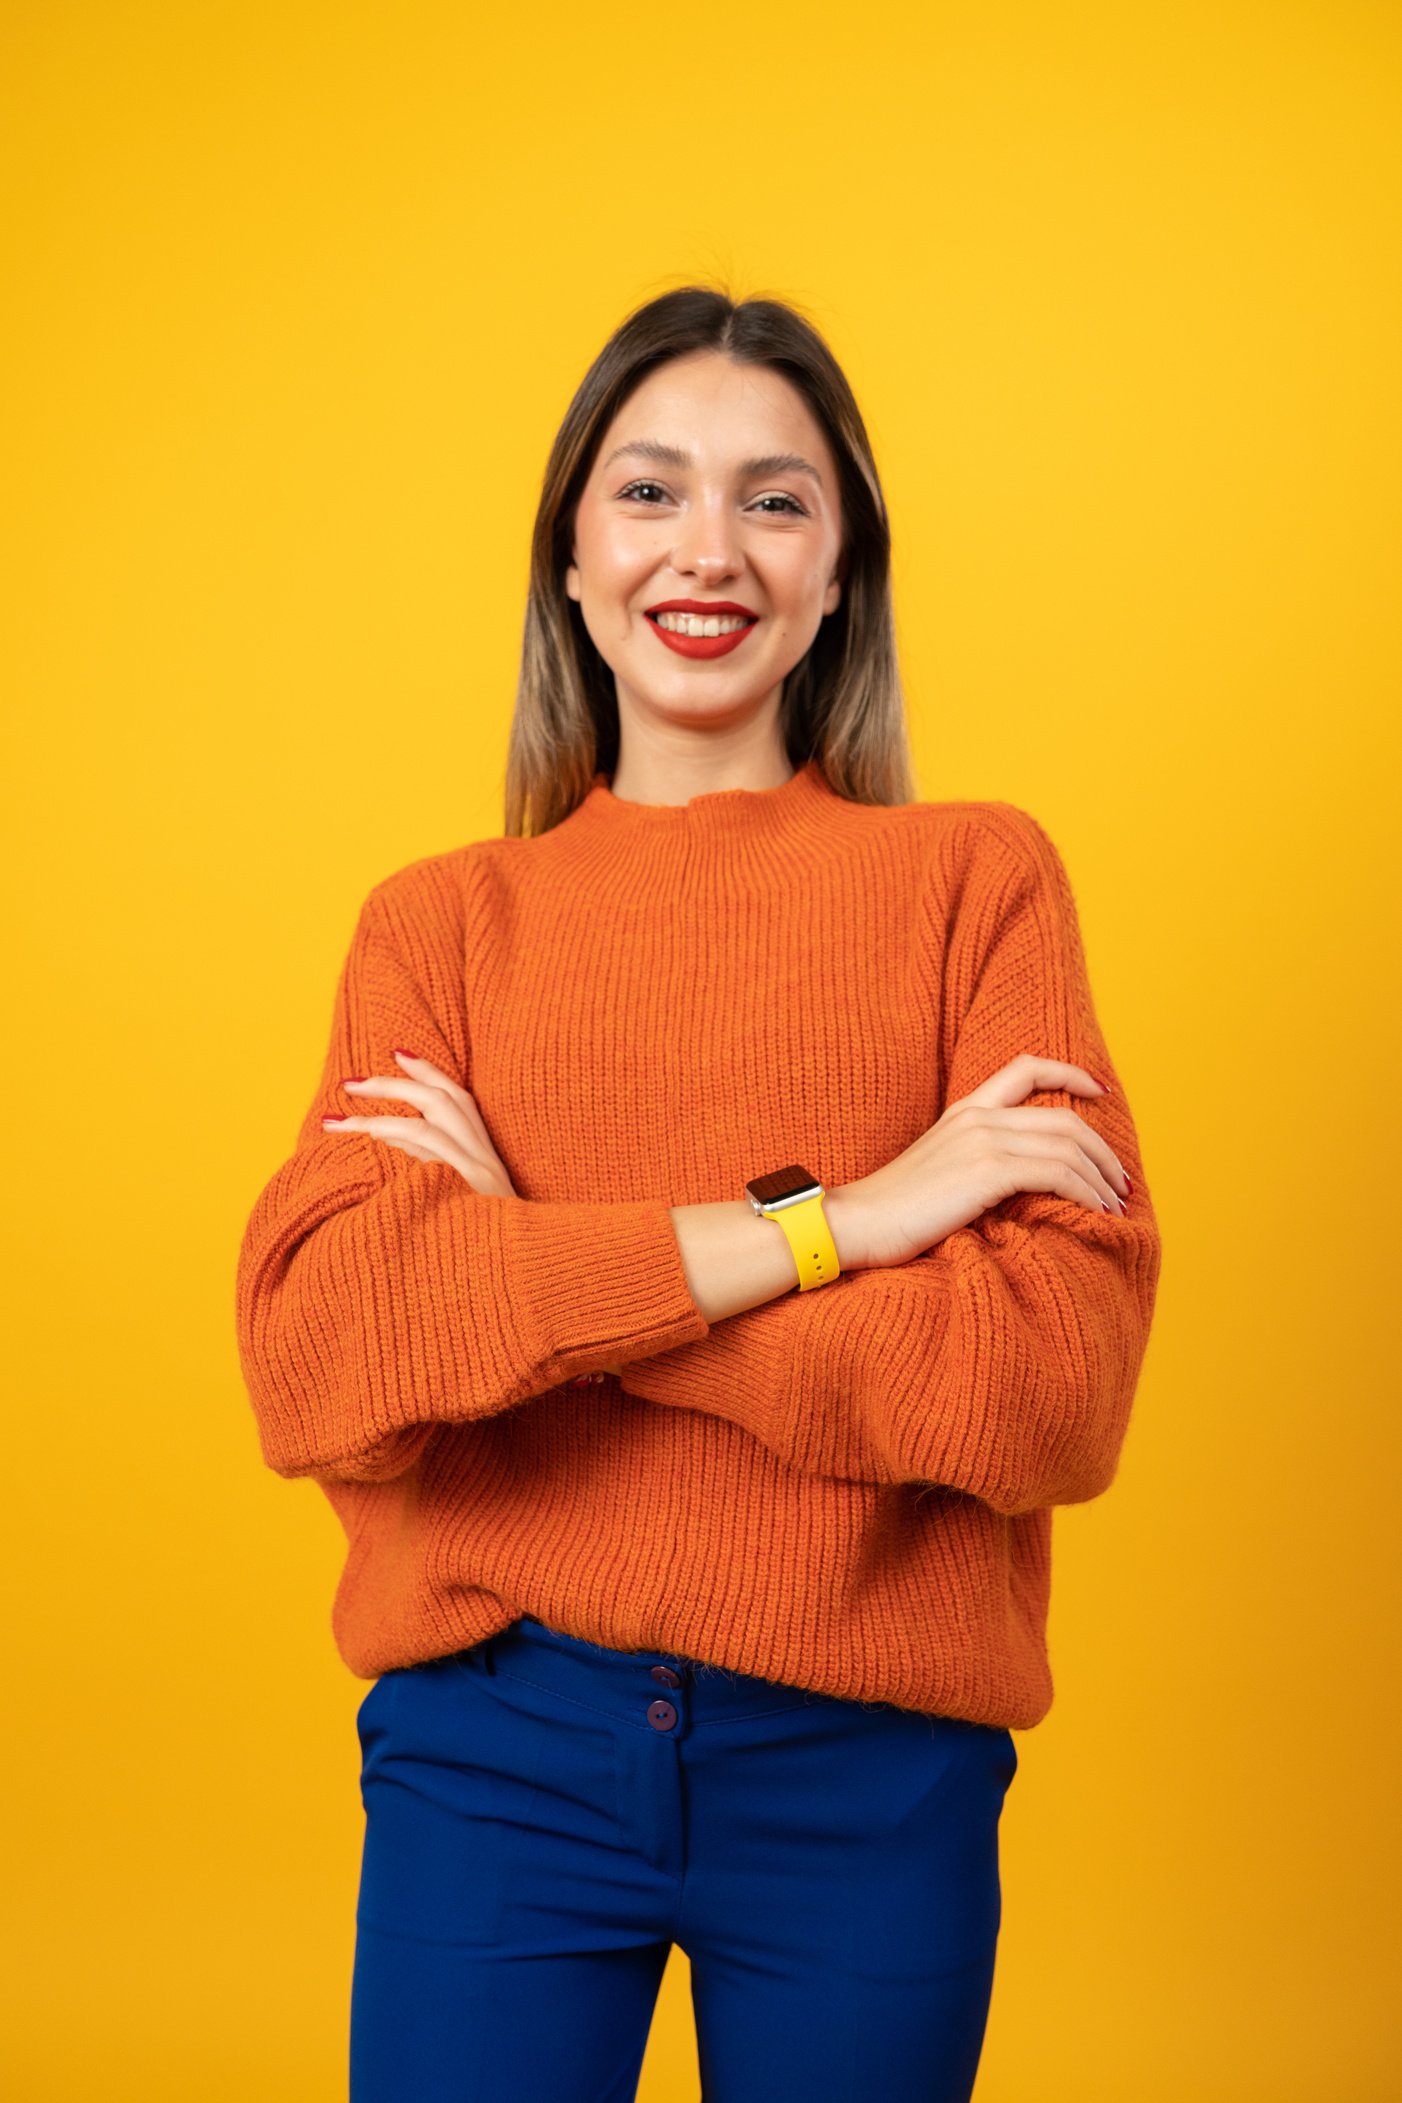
(545, 1817)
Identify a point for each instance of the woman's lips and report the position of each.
(700, 645)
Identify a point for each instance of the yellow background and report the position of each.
(298, 295)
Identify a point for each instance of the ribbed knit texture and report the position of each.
(848, 1489)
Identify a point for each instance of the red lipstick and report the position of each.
(702, 645)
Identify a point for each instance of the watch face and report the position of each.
(783, 1184)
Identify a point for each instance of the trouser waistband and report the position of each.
(604, 1678)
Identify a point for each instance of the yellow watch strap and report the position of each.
(810, 1238)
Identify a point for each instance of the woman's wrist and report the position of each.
(842, 1208)
(734, 1259)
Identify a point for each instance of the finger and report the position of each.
(413, 1135)
(441, 1106)
(1061, 1176)
(424, 1070)
(394, 1088)
(1092, 1173)
(1070, 1125)
(1024, 1133)
(1108, 1164)
(441, 1097)
(1026, 1074)
(390, 1129)
(475, 1158)
(453, 1088)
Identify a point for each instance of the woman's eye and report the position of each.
(635, 491)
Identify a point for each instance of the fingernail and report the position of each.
(333, 1120)
(353, 1080)
(1128, 1184)
(400, 1053)
(1101, 1084)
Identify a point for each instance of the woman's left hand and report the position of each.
(449, 1129)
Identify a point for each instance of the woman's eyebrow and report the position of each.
(673, 456)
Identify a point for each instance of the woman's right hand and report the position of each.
(983, 1149)
(450, 1127)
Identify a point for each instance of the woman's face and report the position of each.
(713, 484)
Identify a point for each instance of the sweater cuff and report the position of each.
(594, 1283)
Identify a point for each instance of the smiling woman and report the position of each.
(728, 507)
(712, 465)
(730, 502)
(699, 1324)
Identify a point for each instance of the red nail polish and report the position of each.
(1101, 1084)
(352, 1080)
(400, 1053)
(333, 1120)
(1128, 1183)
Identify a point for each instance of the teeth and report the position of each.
(701, 624)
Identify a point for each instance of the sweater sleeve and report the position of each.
(1003, 1361)
(378, 1295)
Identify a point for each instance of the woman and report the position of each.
(731, 1259)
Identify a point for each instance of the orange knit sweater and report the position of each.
(848, 1489)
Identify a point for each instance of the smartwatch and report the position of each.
(793, 1199)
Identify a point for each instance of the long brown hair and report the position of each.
(842, 703)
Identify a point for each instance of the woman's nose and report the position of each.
(707, 546)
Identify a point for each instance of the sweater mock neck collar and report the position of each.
(800, 806)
